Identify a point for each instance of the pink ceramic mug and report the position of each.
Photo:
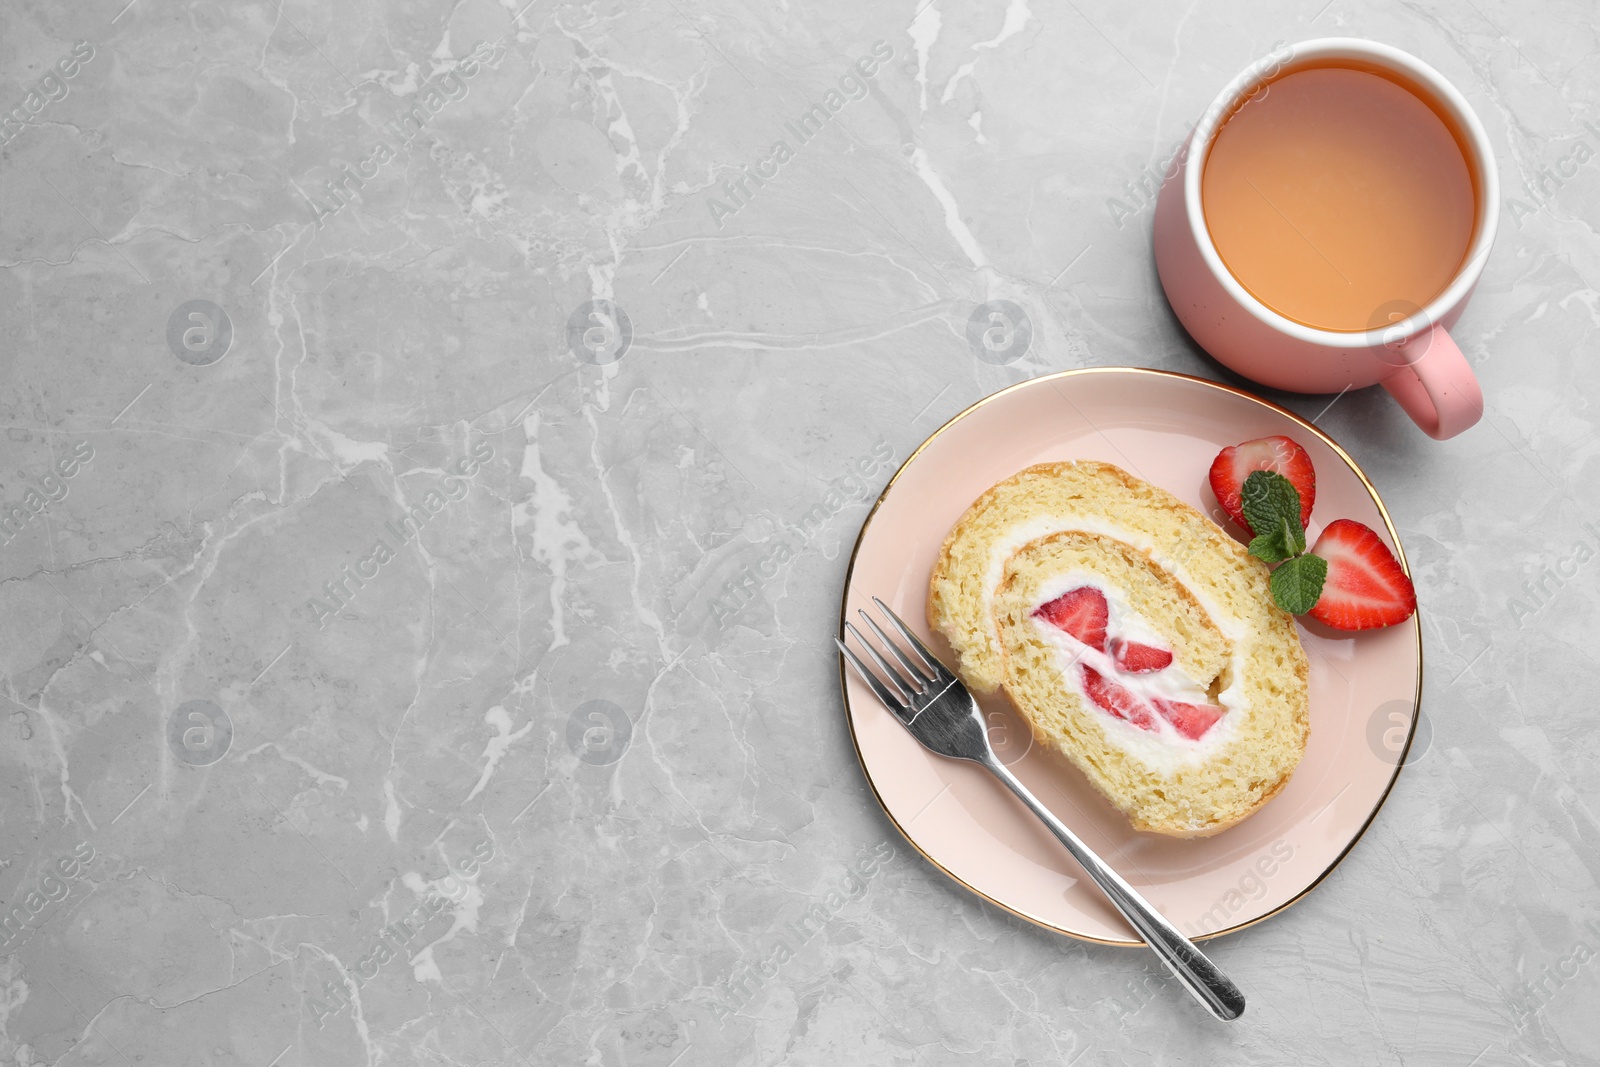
(1414, 358)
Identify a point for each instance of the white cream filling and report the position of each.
(1164, 749)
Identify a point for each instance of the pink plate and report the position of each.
(1165, 428)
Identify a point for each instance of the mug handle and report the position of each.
(1435, 386)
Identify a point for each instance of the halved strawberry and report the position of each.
(1082, 613)
(1191, 720)
(1365, 587)
(1234, 464)
(1134, 658)
(1114, 700)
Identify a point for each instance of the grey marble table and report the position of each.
(409, 661)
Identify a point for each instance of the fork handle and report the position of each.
(1199, 975)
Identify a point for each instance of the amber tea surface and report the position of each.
(1336, 196)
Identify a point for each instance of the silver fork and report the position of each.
(936, 707)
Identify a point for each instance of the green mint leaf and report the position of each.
(1298, 583)
(1271, 504)
(1274, 546)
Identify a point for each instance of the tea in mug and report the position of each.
(1337, 196)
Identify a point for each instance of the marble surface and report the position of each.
(408, 661)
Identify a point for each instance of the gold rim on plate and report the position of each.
(1394, 536)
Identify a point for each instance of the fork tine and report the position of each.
(904, 687)
(911, 668)
(939, 670)
(890, 701)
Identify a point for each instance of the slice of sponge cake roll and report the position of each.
(1133, 635)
